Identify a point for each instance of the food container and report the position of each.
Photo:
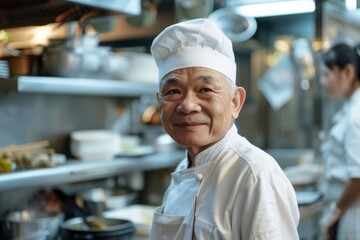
(114, 229)
(98, 200)
(30, 225)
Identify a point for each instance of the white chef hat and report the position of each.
(194, 43)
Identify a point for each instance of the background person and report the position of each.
(341, 150)
(225, 188)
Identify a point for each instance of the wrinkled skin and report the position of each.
(197, 108)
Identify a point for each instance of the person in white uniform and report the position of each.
(341, 148)
(225, 188)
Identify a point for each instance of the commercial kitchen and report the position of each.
(80, 132)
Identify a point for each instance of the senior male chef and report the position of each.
(225, 188)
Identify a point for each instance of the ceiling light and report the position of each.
(351, 4)
(276, 8)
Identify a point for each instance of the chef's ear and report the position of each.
(238, 101)
(349, 72)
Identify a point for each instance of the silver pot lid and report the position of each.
(237, 27)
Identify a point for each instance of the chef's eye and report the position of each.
(205, 90)
(171, 92)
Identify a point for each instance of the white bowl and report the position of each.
(90, 145)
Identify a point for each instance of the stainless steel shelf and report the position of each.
(76, 170)
(77, 86)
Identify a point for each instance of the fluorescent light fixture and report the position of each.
(351, 4)
(276, 8)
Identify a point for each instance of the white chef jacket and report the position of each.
(235, 191)
(341, 152)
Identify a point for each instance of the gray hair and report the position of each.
(232, 86)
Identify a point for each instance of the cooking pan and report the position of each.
(114, 229)
(86, 227)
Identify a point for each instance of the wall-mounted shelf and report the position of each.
(77, 86)
(76, 170)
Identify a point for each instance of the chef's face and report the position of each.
(197, 107)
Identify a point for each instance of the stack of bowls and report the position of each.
(89, 145)
(4, 69)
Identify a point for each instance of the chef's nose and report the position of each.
(189, 104)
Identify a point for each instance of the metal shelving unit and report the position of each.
(77, 86)
(76, 170)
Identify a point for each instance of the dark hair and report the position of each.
(342, 54)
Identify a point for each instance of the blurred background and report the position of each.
(77, 93)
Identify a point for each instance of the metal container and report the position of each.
(81, 57)
(30, 225)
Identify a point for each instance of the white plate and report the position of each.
(136, 151)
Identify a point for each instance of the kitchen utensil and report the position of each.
(237, 27)
(116, 229)
(98, 200)
(30, 225)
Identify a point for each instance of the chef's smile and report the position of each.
(197, 106)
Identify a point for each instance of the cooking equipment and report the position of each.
(81, 57)
(98, 200)
(116, 229)
(140, 215)
(237, 27)
(30, 225)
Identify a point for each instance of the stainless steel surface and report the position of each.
(30, 225)
(82, 57)
(77, 86)
(80, 171)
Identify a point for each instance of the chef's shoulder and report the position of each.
(257, 160)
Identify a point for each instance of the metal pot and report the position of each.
(81, 57)
(30, 225)
(114, 229)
